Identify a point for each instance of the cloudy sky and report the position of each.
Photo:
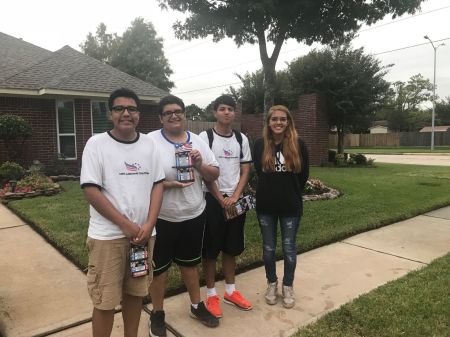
(203, 69)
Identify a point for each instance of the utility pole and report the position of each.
(434, 89)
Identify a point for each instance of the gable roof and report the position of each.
(32, 70)
(442, 128)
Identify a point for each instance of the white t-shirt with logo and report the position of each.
(180, 204)
(126, 173)
(227, 151)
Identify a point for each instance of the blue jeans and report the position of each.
(289, 226)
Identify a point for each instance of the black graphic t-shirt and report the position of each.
(280, 192)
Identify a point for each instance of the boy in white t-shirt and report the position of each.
(232, 151)
(121, 177)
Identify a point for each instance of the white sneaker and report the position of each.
(288, 297)
(272, 293)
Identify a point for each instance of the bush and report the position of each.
(11, 171)
(332, 156)
(358, 159)
(341, 159)
(13, 127)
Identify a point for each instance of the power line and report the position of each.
(380, 53)
(297, 49)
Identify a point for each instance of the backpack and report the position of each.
(237, 134)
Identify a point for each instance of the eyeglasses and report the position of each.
(279, 119)
(169, 113)
(121, 109)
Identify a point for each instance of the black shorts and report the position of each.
(179, 242)
(222, 235)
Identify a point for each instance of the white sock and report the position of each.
(230, 288)
(195, 306)
(211, 292)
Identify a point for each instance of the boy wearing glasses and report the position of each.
(232, 151)
(121, 177)
(181, 222)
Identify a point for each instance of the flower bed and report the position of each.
(30, 186)
(316, 190)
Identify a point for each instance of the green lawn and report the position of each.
(398, 150)
(416, 305)
(372, 197)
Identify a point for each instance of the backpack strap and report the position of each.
(210, 134)
(238, 136)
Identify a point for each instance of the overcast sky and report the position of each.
(202, 64)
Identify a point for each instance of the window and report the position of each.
(65, 116)
(100, 117)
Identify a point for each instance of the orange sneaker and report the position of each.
(213, 306)
(236, 299)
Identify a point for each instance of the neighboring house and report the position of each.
(443, 128)
(63, 94)
(380, 126)
(378, 129)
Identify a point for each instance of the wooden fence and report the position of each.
(198, 126)
(391, 139)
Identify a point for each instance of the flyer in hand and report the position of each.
(183, 163)
(241, 206)
(138, 260)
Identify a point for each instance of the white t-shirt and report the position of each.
(126, 173)
(227, 151)
(180, 204)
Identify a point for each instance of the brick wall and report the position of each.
(41, 113)
(310, 122)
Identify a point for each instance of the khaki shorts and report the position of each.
(109, 273)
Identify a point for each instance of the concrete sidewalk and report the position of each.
(41, 290)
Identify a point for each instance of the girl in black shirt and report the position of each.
(281, 163)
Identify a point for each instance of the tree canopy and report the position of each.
(443, 111)
(351, 81)
(275, 21)
(403, 109)
(138, 52)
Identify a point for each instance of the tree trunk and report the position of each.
(340, 147)
(269, 86)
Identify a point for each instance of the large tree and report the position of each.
(443, 112)
(406, 101)
(275, 21)
(351, 81)
(138, 52)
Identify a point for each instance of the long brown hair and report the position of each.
(291, 151)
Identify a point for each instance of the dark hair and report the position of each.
(170, 99)
(224, 99)
(123, 92)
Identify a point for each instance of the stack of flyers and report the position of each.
(183, 163)
(241, 206)
(138, 260)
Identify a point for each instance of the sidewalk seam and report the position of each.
(436, 217)
(381, 252)
(13, 226)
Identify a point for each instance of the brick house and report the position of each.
(63, 94)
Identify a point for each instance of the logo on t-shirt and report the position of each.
(132, 169)
(279, 162)
(227, 153)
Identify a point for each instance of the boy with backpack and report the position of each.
(232, 151)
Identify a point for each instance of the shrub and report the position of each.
(358, 159)
(332, 156)
(11, 171)
(341, 159)
(315, 186)
(14, 130)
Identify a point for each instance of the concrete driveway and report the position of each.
(442, 159)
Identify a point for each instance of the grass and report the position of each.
(372, 197)
(398, 150)
(416, 305)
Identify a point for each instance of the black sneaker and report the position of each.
(204, 316)
(156, 324)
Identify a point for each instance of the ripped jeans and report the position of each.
(289, 226)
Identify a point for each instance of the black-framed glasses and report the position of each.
(169, 113)
(121, 109)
